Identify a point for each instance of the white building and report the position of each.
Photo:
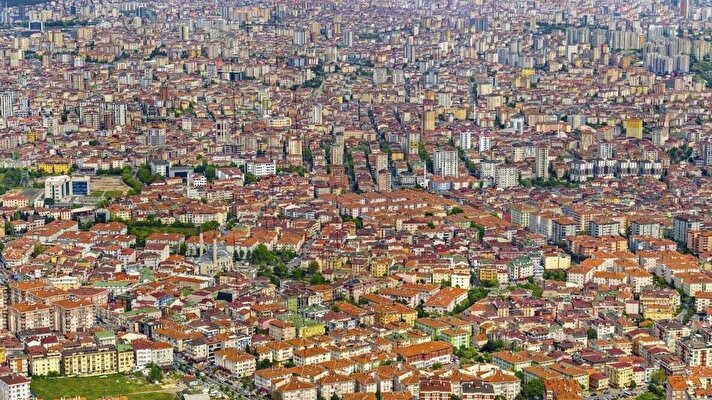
(541, 169)
(63, 186)
(485, 143)
(466, 140)
(261, 167)
(446, 163)
(14, 387)
(505, 177)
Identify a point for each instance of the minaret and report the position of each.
(200, 248)
(215, 250)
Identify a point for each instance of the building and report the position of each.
(296, 389)
(466, 140)
(424, 355)
(485, 143)
(434, 389)
(505, 177)
(675, 388)
(85, 361)
(14, 387)
(43, 362)
(60, 187)
(236, 362)
(633, 128)
(684, 6)
(73, 316)
(682, 225)
(446, 163)
(541, 160)
(261, 167)
(23, 316)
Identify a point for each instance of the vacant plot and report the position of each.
(95, 387)
(108, 186)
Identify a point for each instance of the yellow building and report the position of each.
(654, 313)
(557, 261)
(55, 167)
(619, 374)
(379, 268)
(488, 273)
(387, 313)
(125, 358)
(97, 360)
(309, 330)
(45, 362)
(633, 128)
(429, 120)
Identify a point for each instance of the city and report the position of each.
(356, 200)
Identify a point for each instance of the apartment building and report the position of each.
(236, 362)
(23, 316)
(73, 316)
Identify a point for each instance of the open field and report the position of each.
(108, 186)
(95, 387)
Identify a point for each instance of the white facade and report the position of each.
(14, 387)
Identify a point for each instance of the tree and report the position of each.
(155, 375)
(556, 274)
(313, 268)
(9, 229)
(317, 279)
(335, 396)
(493, 345)
(456, 210)
(264, 363)
(532, 390)
(658, 377)
(591, 334)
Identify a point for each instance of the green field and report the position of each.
(95, 387)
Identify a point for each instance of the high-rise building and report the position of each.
(294, 147)
(383, 179)
(541, 169)
(684, 8)
(428, 120)
(317, 113)
(337, 151)
(485, 143)
(413, 142)
(446, 163)
(7, 100)
(605, 150)
(505, 176)
(466, 140)
(707, 153)
(347, 38)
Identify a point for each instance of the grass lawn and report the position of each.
(94, 387)
(142, 232)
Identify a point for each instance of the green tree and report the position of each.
(591, 334)
(532, 390)
(493, 346)
(155, 374)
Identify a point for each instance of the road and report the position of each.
(209, 379)
(616, 394)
